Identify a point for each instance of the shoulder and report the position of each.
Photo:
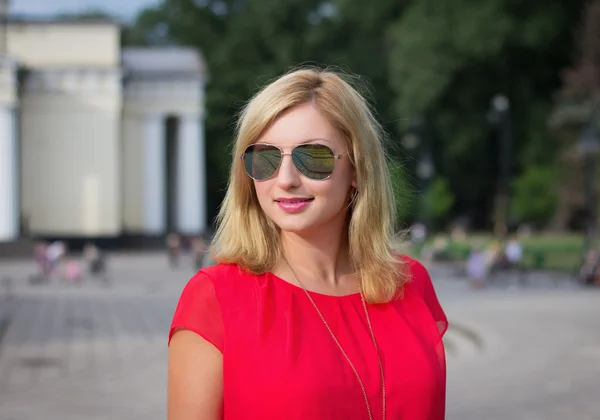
(200, 309)
(417, 275)
(219, 272)
(227, 280)
(416, 267)
(420, 284)
(208, 282)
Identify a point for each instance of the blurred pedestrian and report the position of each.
(418, 233)
(173, 249)
(42, 261)
(198, 249)
(56, 253)
(73, 271)
(95, 259)
(494, 256)
(589, 273)
(513, 252)
(477, 267)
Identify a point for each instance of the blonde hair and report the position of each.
(246, 237)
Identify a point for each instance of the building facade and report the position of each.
(97, 140)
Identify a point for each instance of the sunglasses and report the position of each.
(314, 161)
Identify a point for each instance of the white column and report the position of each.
(191, 176)
(9, 185)
(132, 150)
(154, 175)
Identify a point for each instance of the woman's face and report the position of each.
(293, 201)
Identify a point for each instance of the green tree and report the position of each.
(438, 201)
(441, 60)
(535, 197)
(447, 62)
(404, 192)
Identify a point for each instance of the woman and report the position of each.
(309, 314)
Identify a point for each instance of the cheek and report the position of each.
(342, 180)
(339, 188)
(335, 191)
(262, 191)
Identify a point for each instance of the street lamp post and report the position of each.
(589, 146)
(424, 169)
(4, 10)
(500, 115)
(425, 172)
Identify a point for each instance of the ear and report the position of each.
(354, 184)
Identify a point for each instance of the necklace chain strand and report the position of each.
(362, 387)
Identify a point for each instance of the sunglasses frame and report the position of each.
(335, 158)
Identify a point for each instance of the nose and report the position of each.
(287, 176)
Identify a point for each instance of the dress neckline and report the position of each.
(298, 289)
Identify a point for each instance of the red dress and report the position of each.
(280, 362)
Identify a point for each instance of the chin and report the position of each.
(304, 225)
(313, 220)
(296, 226)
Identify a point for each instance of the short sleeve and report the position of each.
(199, 311)
(422, 282)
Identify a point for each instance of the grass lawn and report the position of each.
(545, 251)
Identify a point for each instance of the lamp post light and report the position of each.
(500, 115)
(412, 140)
(426, 168)
(589, 147)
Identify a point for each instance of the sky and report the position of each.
(126, 9)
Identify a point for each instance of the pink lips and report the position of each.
(293, 205)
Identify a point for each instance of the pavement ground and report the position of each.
(98, 352)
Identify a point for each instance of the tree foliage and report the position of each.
(535, 197)
(448, 62)
(583, 79)
(404, 192)
(439, 199)
(443, 61)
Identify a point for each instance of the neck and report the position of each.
(320, 260)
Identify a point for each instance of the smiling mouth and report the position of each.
(294, 200)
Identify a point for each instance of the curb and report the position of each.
(461, 341)
(468, 333)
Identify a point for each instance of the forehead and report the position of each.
(302, 124)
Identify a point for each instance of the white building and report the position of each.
(96, 140)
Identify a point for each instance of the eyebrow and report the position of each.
(321, 140)
(317, 140)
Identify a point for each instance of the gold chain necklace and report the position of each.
(362, 387)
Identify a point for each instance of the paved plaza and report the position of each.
(93, 351)
(89, 351)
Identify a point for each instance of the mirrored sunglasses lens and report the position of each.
(315, 161)
(261, 161)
